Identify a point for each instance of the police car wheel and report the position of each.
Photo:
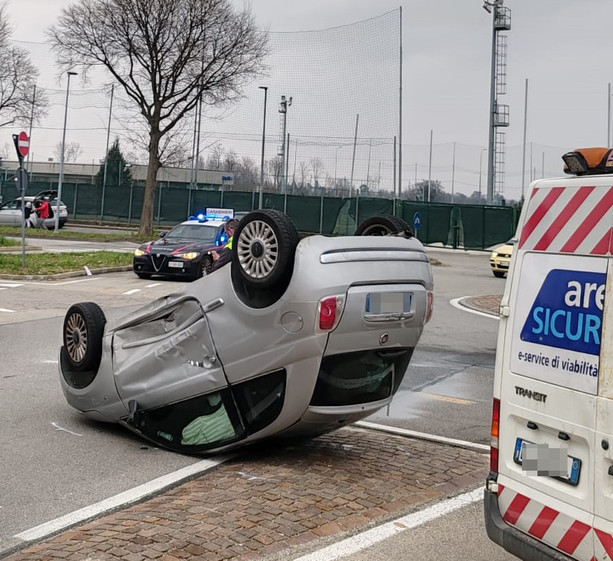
(205, 266)
(382, 226)
(82, 336)
(264, 247)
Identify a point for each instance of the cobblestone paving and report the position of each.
(275, 500)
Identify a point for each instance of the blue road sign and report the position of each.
(416, 221)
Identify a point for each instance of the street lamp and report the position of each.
(260, 202)
(285, 103)
(59, 183)
(480, 170)
(335, 156)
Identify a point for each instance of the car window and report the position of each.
(198, 232)
(11, 205)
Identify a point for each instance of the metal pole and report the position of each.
(609, 116)
(287, 162)
(106, 159)
(260, 201)
(61, 178)
(523, 160)
(396, 192)
(430, 164)
(480, 170)
(355, 140)
(453, 173)
(30, 128)
(492, 136)
(400, 116)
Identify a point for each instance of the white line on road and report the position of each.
(133, 291)
(375, 535)
(456, 304)
(9, 285)
(154, 284)
(121, 500)
(7, 311)
(57, 427)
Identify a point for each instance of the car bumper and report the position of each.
(511, 539)
(500, 265)
(184, 269)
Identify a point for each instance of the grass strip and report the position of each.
(53, 263)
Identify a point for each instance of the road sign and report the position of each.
(23, 144)
(416, 221)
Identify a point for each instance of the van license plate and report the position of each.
(573, 464)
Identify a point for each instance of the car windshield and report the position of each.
(200, 232)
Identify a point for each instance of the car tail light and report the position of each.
(429, 305)
(329, 311)
(494, 436)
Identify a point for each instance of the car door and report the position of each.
(10, 213)
(167, 373)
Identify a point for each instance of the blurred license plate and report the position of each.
(388, 306)
(175, 264)
(573, 464)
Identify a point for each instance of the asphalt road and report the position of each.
(60, 462)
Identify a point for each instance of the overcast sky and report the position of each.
(562, 47)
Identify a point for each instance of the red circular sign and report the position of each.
(23, 144)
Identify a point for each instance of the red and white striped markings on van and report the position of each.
(569, 220)
(573, 537)
(558, 319)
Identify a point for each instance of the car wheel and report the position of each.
(498, 274)
(143, 275)
(205, 266)
(264, 247)
(382, 226)
(263, 252)
(82, 335)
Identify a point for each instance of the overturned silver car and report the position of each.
(293, 337)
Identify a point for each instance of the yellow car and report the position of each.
(500, 258)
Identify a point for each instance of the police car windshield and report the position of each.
(196, 231)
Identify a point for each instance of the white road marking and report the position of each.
(133, 291)
(57, 427)
(456, 304)
(152, 285)
(378, 534)
(9, 285)
(423, 436)
(88, 279)
(7, 311)
(120, 500)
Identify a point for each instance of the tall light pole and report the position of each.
(61, 178)
(285, 103)
(260, 201)
(480, 170)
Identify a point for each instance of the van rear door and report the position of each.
(551, 364)
(603, 466)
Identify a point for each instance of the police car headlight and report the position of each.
(189, 256)
(138, 252)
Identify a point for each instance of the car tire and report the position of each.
(264, 247)
(82, 337)
(143, 275)
(499, 274)
(205, 266)
(263, 253)
(382, 226)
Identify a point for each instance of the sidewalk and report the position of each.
(276, 501)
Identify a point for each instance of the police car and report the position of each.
(549, 493)
(184, 251)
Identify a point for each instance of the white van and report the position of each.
(549, 493)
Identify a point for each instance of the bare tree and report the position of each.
(167, 55)
(20, 102)
(72, 151)
(318, 167)
(303, 170)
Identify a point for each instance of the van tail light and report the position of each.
(329, 311)
(494, 436)
(429, 305)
